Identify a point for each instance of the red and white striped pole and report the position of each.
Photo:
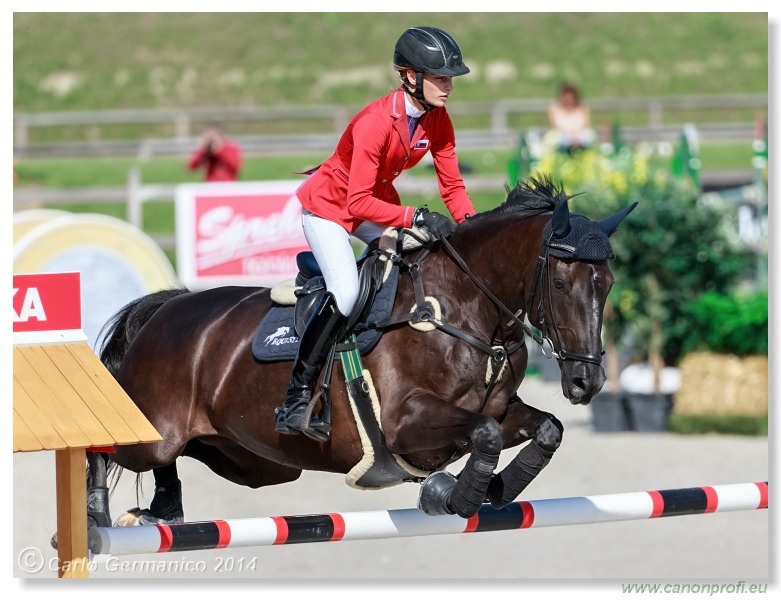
(336, 527)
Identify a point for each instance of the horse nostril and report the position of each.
(581, 383)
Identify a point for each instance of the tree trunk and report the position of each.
(655, 360)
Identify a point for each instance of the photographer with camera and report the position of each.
(219, 156)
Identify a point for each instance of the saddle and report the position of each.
(278, 337)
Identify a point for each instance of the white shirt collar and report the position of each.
(412, 110)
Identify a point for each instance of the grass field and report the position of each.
(92, 61)
(87, 61)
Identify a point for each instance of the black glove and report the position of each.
(438, 225)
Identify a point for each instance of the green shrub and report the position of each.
(687, 424)
(735, 323)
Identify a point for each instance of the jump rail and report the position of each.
(411, 522)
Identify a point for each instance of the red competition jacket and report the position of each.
(356, 183)
(222, 165)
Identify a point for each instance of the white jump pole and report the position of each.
(411, 522)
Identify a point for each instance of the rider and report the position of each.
(352, 193)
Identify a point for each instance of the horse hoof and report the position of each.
(435, 491)
(147, 518)
(129, 519)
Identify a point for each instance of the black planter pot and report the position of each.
(649, 412)
(609, 412)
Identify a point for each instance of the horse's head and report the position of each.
(568, 296)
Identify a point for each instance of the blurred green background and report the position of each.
(79, 61)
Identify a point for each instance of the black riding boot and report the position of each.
(322, 331)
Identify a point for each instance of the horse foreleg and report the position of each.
(442, 493)
(97, 490)
(524, 422)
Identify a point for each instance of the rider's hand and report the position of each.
(438, 225)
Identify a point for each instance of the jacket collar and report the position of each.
(398, 104)
(399, 114)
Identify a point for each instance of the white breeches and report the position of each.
(332, 246)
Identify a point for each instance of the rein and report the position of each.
(424, 313)
(541, 277)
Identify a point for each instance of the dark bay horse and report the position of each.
(185, 359)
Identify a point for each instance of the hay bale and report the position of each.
(722, 384)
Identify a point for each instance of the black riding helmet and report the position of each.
(428, 50)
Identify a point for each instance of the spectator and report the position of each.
(570, 122)
(218, 155)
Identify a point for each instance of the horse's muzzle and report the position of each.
(581, 381)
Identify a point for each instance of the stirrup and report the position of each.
(303, 421)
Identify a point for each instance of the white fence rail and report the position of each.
(136, 194)
(659, 116)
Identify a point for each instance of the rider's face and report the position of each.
(436, 88)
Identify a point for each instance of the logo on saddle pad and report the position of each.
(278, 337)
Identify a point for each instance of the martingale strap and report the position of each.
(424, 313)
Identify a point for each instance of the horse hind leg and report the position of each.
(98, 513)
(97, 494)
(545, 432)
(166, 506)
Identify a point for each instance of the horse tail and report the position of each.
(117, 334)
(119, 331)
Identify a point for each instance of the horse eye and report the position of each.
(559, 284)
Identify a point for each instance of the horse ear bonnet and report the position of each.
(585, 240)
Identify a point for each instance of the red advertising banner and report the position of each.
(245, 233)
(47, 307)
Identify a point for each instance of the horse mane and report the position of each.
(530, 197)
(533, 196)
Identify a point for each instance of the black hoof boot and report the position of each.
(435, 492)
(97, 507)
(166, 505)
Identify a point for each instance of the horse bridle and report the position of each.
(498, 354)
(542, 277)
